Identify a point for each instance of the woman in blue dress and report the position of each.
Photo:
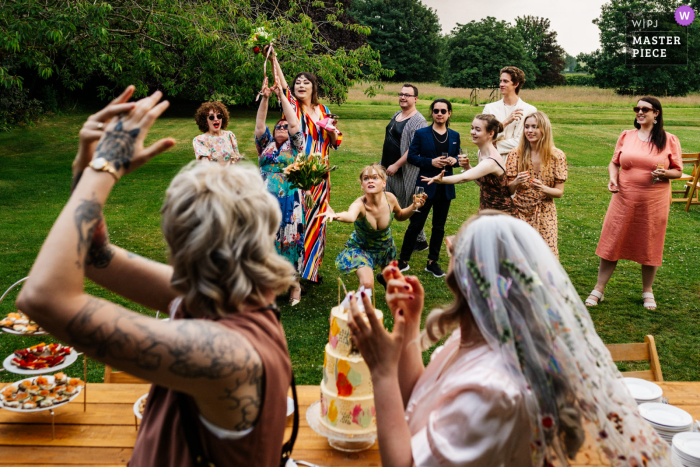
(275, 152)
(371, 245)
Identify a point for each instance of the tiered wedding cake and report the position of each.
(347, 397)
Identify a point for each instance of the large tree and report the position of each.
(541, 46)
(608, 64)
(475, 52)
(570, 64)
(186, 48)
(406, 33)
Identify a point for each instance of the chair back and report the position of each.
(121, 377)
(636, 353)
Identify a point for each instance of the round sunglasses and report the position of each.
(217, 116)
(440, 111)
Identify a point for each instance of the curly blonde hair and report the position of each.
(203, 113)
(219, 223)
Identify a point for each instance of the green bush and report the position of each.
(16, 106)
(579, 80)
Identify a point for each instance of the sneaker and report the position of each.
(421, 246)
(381, 280)
(403, 266)
(434, 269)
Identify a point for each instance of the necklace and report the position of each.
(438, 139)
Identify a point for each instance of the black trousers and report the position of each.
(440, 206)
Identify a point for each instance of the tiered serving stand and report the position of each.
(69, 360)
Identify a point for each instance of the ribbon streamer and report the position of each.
(269, 50)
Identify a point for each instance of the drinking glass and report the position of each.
(420, 191)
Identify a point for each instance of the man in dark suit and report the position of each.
(433, 149)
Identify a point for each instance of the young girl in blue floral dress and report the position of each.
(371, 245)
(275, 152)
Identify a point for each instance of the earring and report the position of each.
(654, 121)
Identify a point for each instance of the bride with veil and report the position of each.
(522, 379)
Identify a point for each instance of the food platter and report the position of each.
(67, 361)
(40, 409)
(19, 333)
(137, 412)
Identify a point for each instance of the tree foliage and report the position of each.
(475, 52)
(406, 33)
(608, 63)
(543, 50)
(570, 65)
(189, 49)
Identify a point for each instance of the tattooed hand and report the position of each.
(122, 143)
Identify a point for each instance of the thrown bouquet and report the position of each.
(259, 39)
(306, 172)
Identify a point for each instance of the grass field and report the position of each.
(35, 179)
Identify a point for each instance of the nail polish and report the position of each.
(362, 294)
(407, 287)
(400, 312)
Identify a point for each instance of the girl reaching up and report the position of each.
(371, 245)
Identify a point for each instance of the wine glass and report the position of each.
(419, 191)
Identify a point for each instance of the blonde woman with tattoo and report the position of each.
(220, 366)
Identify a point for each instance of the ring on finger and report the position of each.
(100, 126)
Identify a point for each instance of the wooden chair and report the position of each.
(121, 377)
(690, 180)
(639, 352)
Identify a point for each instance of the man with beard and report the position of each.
(402, 175)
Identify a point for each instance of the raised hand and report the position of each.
(419, 201)
(464, 162)
(122, 143)
(404, 293)
(329, 215)
(94, 126)
(265, 91)
(380, 349)
(435, 179)
(514, 116)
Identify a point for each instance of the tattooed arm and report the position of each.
(214, 364)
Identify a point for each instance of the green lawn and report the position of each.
(35, 179)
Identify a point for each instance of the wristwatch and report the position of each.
(101, 165)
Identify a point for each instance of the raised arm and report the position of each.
(289, 112)
(279, 74)
(405, 213)
(483, 168)
(260, 125)
(349, 216)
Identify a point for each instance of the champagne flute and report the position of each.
(419, 191)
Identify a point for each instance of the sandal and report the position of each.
(294, 301)
(599, 296)
(649, 305)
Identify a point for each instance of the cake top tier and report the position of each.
(339, 336)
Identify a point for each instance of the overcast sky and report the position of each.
(571, 19)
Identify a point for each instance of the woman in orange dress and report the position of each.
(644, 161)
(536, 173)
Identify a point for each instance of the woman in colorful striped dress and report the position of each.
(304, 99)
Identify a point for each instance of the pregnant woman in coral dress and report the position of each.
(644, 161)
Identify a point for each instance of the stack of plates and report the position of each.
(686, 450)
(643, 391)
(666, 419)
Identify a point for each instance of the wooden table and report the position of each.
(105, 433)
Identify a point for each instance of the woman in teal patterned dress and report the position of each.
(274, 154)
(371, 245)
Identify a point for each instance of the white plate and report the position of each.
(643, 390)
(666, 416)
(40, 409)
(136, 406)
(18, 333)
(68, 361)
(290, 406)
(688, 444)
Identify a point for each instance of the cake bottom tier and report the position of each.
(348, 415)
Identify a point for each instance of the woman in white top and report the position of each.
(519, 378)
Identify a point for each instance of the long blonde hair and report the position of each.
(545, 146)
(219, 223)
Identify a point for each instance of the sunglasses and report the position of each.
(440, 111)
(643, 109)
(217, 116)
(281, 127)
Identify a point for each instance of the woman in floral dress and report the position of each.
(214, 144)
(318, 127)
(536, 173)
(275, 152)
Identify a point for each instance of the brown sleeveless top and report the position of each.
(495, 194)
(161, 440)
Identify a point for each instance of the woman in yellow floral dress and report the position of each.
(536, 174)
